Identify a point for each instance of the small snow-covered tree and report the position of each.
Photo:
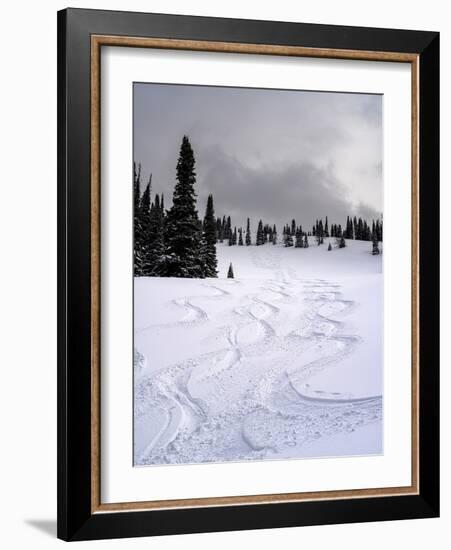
(329, 248)
(306, 241)
(240, 237)
(230, 272)
(341, 242)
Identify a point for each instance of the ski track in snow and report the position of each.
(205, 417)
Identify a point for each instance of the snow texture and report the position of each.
(284, 361)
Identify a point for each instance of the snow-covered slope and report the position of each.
(284, 361)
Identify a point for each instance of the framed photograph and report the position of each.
(248, 274)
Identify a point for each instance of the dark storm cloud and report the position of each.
(266, 154)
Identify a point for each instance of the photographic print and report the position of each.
(258, 274)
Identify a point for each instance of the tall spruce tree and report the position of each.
(248, 232)
(183, 234)
(240, 237)
(209, 240)
(260, 235)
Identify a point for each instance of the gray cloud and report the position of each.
(270, 154)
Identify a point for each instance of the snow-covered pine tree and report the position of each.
(326, 228)
(305, 241)
(230, 272)
(329, 248)
(260, 236)
(342, 242)
(234, 236)
(183, 234)
(209, 240)
(248, 232)
(274, 235)
(240, 237)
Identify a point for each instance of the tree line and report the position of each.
(177, 243)
(174, 242)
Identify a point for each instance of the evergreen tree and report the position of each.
(228, 230)
(248, 232)
(260, 236)
(342, 242)
(329, 248)
(299, 243)
(240, 237)
(326, 229)
(209, 240)
(306, 245)
(183, 234)
(230, 272)
(154, 260)
(274, 235)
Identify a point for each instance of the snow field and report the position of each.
(284, 361)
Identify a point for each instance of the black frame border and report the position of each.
(75, 520)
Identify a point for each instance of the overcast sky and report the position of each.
(270, 154)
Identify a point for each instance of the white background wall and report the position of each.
(28, 271)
